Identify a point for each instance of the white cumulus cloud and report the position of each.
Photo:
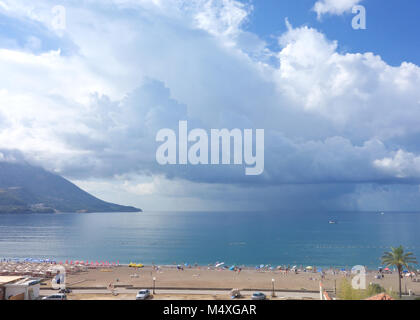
(333, 120)
(334, 7)
(402, 165)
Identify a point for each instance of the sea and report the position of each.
(235, 238)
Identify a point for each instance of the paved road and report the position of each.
(247, 294)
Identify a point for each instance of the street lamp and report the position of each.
(273, 294)
(154, 284)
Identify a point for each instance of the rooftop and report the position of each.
(381, 296)
(9, 279)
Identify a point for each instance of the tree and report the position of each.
(399, 259)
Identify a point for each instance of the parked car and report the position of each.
(235, 294)
(143, 294)
(66, 290)
(258, 296)
(57, 296)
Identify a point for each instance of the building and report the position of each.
(19, 288)
(4, 280)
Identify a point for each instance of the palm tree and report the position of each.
(398, 258)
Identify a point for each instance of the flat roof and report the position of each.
(26, 282)
(9, 279)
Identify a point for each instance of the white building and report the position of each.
(22, 289)
(4, 280)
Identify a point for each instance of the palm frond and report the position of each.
(398, 258)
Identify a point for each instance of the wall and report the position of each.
(15, 290)
(29, 292)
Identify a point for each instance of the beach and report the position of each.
(195, 282)
(100, 281)
(204, 278)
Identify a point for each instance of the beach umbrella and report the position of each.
(232, 268)
(309, 268)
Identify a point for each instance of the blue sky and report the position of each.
(392, 26)
(340, 107)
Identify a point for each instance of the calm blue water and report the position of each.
(203, 238)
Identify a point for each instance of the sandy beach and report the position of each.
(195, 282)
(204, 278)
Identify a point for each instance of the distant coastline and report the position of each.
(29, 189)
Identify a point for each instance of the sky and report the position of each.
(86, 86)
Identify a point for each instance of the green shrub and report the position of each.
(347, 292)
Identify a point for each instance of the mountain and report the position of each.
(25, 189)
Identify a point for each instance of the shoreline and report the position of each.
(112, 263)
(200, 278)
